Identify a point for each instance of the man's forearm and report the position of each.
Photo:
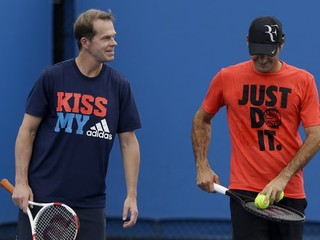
(131, 162)
(23, 151)
(201, 135)
(309, 148)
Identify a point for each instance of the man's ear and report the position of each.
(84, 42)
(282, 43)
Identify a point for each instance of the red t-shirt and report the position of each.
(264, 114)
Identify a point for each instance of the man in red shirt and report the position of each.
(267, 100)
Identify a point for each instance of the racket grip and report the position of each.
(7, 185)
(219, 188)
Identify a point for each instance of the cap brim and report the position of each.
(263, 49)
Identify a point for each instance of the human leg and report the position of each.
(23, 227)
(286, 231)
(92, 224)
(245, 225)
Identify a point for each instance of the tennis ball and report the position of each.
(281, 195)
(259, 201)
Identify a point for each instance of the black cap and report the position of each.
(265, 36)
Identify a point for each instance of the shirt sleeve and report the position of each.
(214, 99)
(129, 116)
(37, 102)
(310, 114)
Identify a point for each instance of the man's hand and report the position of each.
(130, 212)
(22, 193)
(205, 179)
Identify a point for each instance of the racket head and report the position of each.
(275, 212)
(56, 221)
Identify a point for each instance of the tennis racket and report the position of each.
(275, 212)
(54, 221)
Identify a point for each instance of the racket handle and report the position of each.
(7, 185)
(219, 188)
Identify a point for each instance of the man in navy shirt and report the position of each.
(72, 116)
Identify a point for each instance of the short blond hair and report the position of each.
(83, 27)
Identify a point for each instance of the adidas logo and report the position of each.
(100, 130)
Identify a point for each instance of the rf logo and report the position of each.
(272, 31)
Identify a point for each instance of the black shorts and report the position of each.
(92, 225)
(247, 226)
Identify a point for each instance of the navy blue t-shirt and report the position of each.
(81, 117)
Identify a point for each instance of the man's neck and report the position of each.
(88, 66)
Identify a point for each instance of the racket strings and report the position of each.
(55, 222)
(275, 212)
